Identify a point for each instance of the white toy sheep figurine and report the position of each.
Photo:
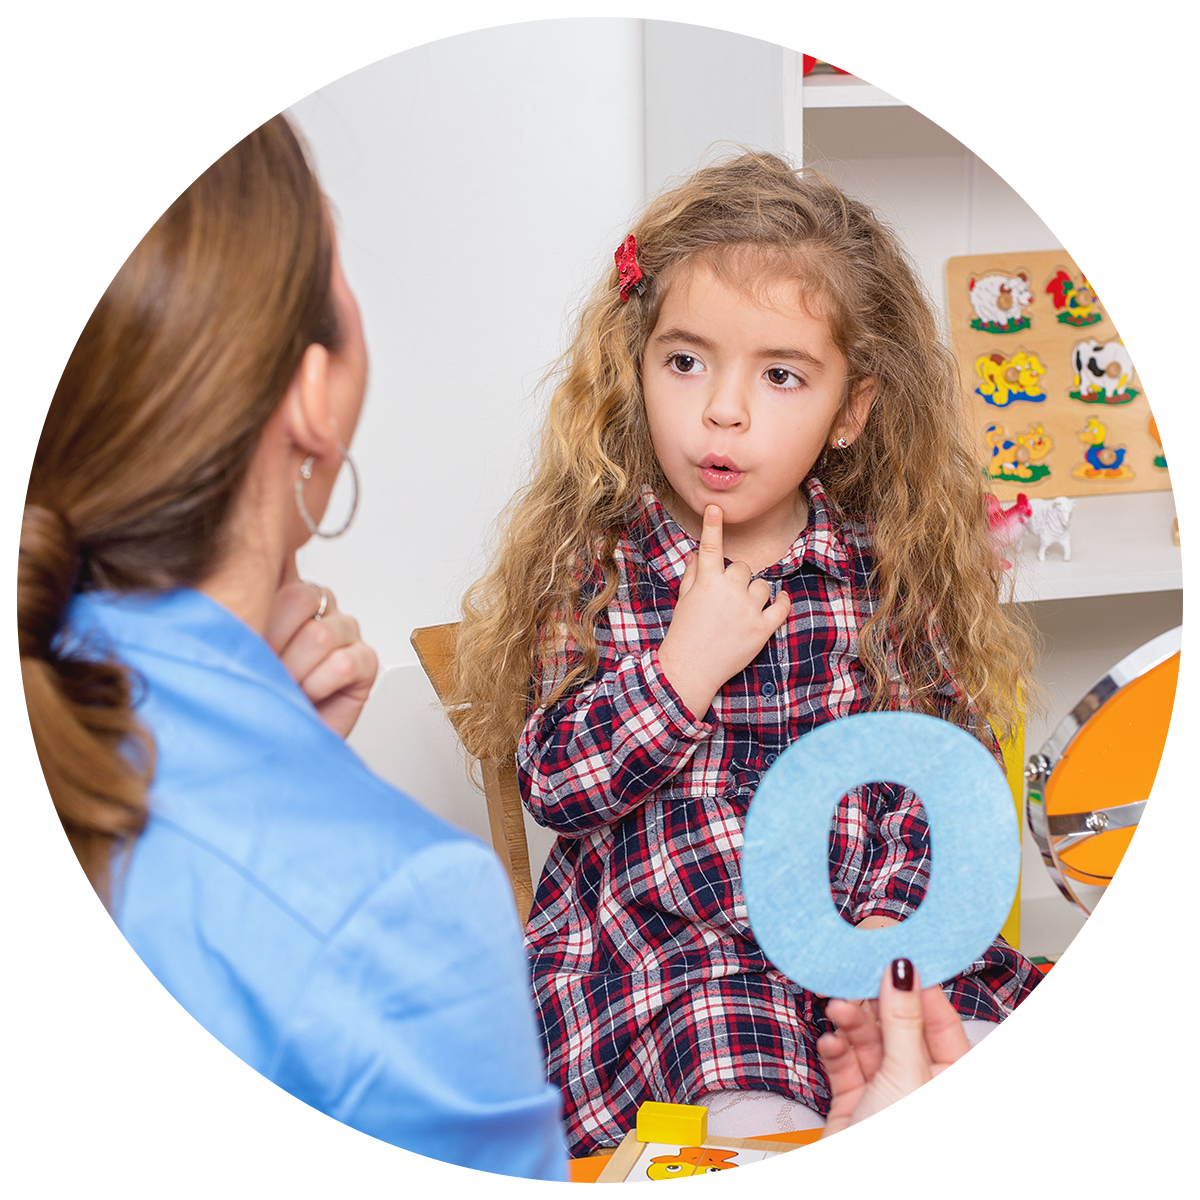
(1051, 521)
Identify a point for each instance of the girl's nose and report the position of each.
(727, 406)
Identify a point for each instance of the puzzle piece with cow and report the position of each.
(1080, 367)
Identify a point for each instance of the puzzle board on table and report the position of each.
(1052, 390)
(739, 1169)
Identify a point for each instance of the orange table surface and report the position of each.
(1060, 1137)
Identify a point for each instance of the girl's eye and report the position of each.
(782, 377)
(685, 364)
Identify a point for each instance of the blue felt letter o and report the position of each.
(975, 841)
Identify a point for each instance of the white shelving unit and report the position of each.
(1006, 83)
(1119, 545)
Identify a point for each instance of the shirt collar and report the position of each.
(182, 624)
(821, 543)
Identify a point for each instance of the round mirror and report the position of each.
(1114, 802)
(1089, 783)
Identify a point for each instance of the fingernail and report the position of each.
(902, 974)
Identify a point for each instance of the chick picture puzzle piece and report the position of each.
(684, 1124)
(756, 1169)
(715, 1173)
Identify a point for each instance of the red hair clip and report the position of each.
(628, 272)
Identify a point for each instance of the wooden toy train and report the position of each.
(972, 35)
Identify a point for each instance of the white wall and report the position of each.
(484, 159)
(1007, 178)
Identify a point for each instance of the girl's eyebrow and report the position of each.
(795, 355)
(683, 335)
(702, 343)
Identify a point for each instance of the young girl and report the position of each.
(756, 509)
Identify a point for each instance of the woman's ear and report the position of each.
(854, 415)
(306, 414)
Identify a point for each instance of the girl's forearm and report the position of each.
(597, 755)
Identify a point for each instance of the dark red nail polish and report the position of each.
(902, 974)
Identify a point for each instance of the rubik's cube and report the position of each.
(1085, 985)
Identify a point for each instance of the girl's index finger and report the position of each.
(712, 543)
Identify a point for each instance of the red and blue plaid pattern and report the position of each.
(647, 978)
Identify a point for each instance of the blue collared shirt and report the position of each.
(343, 941)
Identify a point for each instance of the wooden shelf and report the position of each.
(1006, 83)
(1119, 544)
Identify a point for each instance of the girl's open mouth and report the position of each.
(720, 472)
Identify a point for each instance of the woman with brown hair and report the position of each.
(340, 939)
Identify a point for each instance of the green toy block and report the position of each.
(943, 6)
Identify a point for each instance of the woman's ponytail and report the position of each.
(73, 773)
(146, 447)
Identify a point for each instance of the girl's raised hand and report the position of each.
(722, 620)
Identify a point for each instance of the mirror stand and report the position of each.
(1114, 798)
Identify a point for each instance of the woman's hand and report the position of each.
(326, 657)
(873, 1063)
(721, 621)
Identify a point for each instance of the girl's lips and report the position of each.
(720, 479)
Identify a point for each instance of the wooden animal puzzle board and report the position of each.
(737, 1169)
(1052, 390)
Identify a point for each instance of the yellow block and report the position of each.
(676, 1124)
(1014, 767)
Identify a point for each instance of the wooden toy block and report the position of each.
(1085, 985)
(681, 1124)
(940, 28)
(943, 6)
(1139, 972)
(1099, 31)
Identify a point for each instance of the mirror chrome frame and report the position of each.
(1041, 766)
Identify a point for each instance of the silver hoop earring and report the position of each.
(305, 475)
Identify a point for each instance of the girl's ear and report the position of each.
(854, 416)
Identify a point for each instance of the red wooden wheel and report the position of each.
(1135, 51)
(1060, 49)
(906, 48)
(972, 48)
(846, 49)
(810, 52)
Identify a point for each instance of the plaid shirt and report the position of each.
(647, 978)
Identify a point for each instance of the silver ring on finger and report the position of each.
(324, 602)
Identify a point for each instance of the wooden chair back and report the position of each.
(435, 645)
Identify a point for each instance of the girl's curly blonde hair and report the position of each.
(911, 473)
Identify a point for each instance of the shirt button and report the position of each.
(770, 759)
(768, 689)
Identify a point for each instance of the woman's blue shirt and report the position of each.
(343, 941)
